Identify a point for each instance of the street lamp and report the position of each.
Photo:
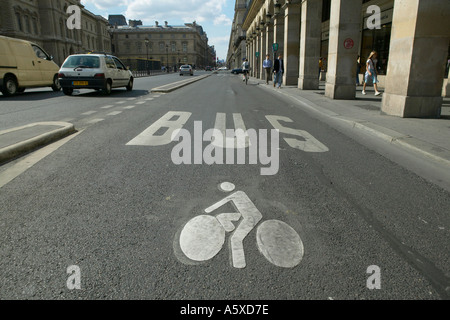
(167, 53)
(147, 42)
(277, 7)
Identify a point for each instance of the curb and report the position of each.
(373, 129)
(18, 149)
(179, 84)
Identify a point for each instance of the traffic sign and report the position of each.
(275, 47)
(257, 54)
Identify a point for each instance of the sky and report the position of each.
(215, 16)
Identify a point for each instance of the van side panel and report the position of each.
(6, 57)
(29, 71)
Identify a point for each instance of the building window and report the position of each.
(173, 47)
(184, 47)
(19, 21)
(161, 46)
(61, 27)
(27, 24)
(35, 26)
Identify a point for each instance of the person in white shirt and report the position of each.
(267, 65)
(371, 73)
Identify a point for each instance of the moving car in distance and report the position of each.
(94, 71)
(237, 71)
(186, 69)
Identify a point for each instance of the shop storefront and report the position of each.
(377, 40)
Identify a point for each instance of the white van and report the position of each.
(24, 64)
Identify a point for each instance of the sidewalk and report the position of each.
(430, 137)
(17, 141)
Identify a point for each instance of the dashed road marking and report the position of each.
(88, 113)
(114, 113)
(140, 102)
(107, 107)
(94, 121)
(129, 107)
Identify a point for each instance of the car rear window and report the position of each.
(82, 61)
(185, 66)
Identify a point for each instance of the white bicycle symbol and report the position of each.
(203, 236)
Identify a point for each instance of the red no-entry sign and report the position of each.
(348, 43)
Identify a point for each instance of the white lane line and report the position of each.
(94, 121)
(120, 102)
(140, 102)
(30, 160)
(89, 113)
(131, 99)
(129, 107)
(149, 99)
(107, 107)
(114, 113)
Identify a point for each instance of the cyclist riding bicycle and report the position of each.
(245, 69)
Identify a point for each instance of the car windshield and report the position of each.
(82, 62)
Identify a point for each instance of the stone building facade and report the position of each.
(237, 47)
(44, 23)
(170, 45)
(412, 38)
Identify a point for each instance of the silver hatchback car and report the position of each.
(186, 69)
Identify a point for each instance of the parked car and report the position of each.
(237, 71)
(186, 69)
(94, 71)
(24, 64)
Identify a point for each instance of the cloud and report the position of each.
(222, 20)
(105, 4)
(175, 10)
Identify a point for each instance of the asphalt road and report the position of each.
(120, 209)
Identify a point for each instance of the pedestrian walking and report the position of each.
(278, 70)
(320, 66)
(267, 65)
(371, 73)
(358, 70)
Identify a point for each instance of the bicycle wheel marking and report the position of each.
(279, 243)
(202, 238)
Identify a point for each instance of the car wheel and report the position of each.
(107, 89)
(10, 87)
(130, 85)
(67, 91)
(56, 86)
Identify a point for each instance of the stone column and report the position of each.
(310, 41)
(278, 32)
(262, 52)
(419, 46)
(291, 42)
(345, 34)
(253, 58)
(269, 42)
